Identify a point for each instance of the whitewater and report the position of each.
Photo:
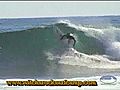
(110, 60)
(33, 46)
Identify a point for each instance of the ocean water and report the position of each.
(31, 47)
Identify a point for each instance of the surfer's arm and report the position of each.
(62, 37)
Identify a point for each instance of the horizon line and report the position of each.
(58, 16)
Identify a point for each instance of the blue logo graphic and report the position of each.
(108, 79)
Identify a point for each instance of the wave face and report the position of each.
(33, 46)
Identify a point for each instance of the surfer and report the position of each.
(70, 37)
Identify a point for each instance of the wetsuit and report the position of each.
(69, 36)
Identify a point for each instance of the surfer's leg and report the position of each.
(74, 42)
(69, 41)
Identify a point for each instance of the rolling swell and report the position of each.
(24, 43)
(23, 51)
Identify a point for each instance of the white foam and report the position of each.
(114, 50)
(68, 23)
(51, 56)
(109, 39)
(108, 36)
(73, 57)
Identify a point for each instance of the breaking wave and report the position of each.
(95, 47)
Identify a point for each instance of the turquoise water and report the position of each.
(22, 48)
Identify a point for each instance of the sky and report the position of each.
(58, 8)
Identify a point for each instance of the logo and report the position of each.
(108, 79)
